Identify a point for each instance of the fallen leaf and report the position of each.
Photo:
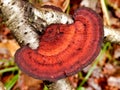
(10, 45)
(28, 83)
(114, 81)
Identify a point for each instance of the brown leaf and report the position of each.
(10, 45)
(63, 4)
(28, 83)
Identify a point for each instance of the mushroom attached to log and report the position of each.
(64, 49)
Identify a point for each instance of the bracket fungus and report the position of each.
(64, 49)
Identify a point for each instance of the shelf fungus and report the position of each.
(64, 49)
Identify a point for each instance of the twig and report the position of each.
(9, 69)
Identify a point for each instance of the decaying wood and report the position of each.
(89, 3)
(25, 21)
(112, 35)
(62, 84)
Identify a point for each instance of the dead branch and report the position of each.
(112, 35)
(62, 84)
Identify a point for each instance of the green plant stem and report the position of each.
(9, 69)
(45, 87)
(11, 83)
(100, 56)
(91, 70)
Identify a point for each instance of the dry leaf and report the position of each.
(63, 4)
(10, 45)
(28, 83)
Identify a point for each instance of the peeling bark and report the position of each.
(112, 35)
(62, 84)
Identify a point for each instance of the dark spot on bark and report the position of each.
(22, 20)
(25, 33)
(46, 12)
(28, 44)
(67, 22)
(57, 16)
(25, 21)
(42, 26)
(13, 3)
(22, 42)
(39, 32)
(18, 27)
(1, 4)
(9, 3)
(52, 15)
(0, 11)
(30, 9)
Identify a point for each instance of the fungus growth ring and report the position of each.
(64, 49)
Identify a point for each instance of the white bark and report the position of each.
(62, 84)
(112, 35)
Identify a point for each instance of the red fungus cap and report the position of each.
(64, 49)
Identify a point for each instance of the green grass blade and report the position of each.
(100, 56)
(12, 82)
(45, 87)
(8, 69)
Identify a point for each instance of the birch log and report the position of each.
(112, 35)
(62, 84)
